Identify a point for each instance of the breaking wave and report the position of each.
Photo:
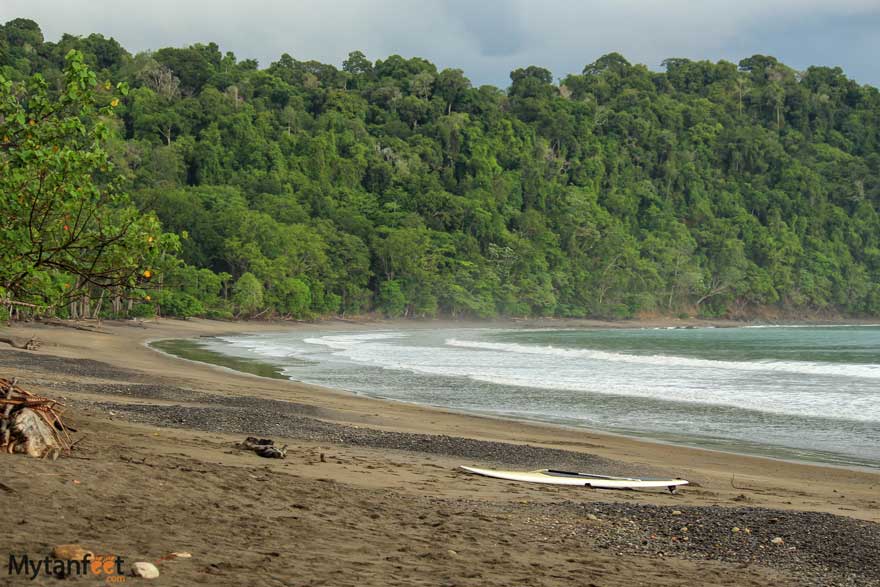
(799, 367)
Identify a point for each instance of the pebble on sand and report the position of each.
(777, 540)
(144, 570)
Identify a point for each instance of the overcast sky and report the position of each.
(486, 38)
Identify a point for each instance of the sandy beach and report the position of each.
(370, 494)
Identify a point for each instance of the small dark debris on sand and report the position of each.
(264, 447)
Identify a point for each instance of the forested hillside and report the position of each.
(299, 189)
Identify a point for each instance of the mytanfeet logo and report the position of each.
(107, 567)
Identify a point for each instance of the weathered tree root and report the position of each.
(31, 424)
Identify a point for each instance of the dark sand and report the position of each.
(157, 472)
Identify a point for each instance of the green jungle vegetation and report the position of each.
(188, 182)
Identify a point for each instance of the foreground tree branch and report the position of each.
(66, 229)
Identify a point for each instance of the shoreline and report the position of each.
(467, 423)
(219, 360)
(159, 435)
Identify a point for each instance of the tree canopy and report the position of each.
(65, 229)
(303, 189)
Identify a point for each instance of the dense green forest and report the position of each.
(301, 189)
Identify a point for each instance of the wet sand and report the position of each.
(157, 472)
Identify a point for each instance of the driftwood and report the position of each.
(83, 327)
(264, 447)
(31, 435)
(30, 345)
(31, 424)
(134, 322)
(272, 452)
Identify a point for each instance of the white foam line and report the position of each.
(561, 370)
(810, 326)
(869, 371)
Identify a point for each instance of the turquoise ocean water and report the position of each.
(801, 393)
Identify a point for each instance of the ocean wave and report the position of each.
(345, 341)
(780, 387)
(795, 367)
(565, 373)
(806, 404)
(810, 326)
(257, 345)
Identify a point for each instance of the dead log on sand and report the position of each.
(67, 324)
(30, 345)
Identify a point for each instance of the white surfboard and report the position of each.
(554, 477)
